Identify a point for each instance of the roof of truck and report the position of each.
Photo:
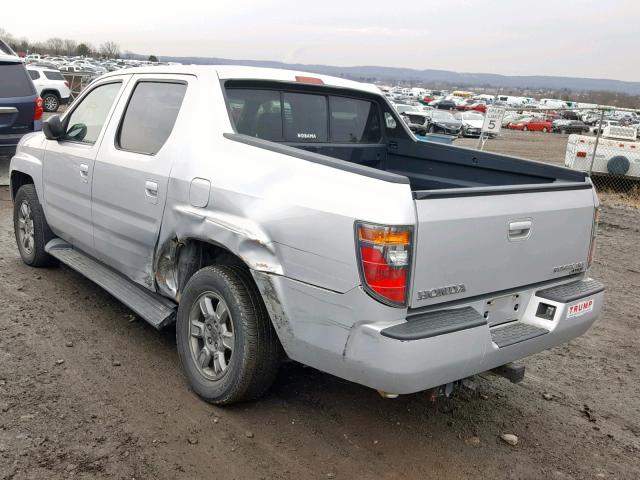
(227, 72)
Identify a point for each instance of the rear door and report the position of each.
(17, 102)
(480, 245)
(132, 172)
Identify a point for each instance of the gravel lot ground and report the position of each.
(88, 391)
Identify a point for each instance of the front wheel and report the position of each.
(227, 346)
(545, 129)
(31, 228)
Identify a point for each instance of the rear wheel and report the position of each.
(227, 346)
(51, 102)
(31, 228)
(545, 129)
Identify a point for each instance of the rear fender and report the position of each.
(240, 236)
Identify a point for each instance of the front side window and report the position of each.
(86, 121)
(150, 116)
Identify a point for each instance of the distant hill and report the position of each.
(434, 76)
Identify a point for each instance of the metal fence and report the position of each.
(603, 142)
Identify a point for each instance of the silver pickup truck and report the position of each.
(275, 214)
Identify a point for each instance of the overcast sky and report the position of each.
(584, 38)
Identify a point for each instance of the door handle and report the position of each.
(84, 172)
(519, 230)
(151, 191)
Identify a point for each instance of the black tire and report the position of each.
(545, 129)
(32, 254)
(253, 364)
(525, 129)
(50, 102)
(431, 129)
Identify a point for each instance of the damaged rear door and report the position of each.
(132, 172)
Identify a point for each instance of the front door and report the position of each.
(69, 162)
(131, 174)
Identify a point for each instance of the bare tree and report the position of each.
(69, 46)
(55, 45)
(110, 50)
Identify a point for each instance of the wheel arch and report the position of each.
(17, 180)
(53, 91)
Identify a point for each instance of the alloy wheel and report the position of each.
(25, 228)
(211, 335)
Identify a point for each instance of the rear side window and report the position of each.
(150, 116)
(51, 75)
(34, 74)
(15, 81)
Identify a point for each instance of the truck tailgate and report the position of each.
(472, 245)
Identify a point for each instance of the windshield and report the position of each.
(472, 116)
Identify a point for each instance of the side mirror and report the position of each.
(53, 128)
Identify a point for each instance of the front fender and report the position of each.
(28, 160)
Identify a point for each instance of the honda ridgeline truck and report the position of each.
(276, 214)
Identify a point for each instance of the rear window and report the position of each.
(34, 74)
(303, 117)
(52, 75)
(15, 81)
(353, 120)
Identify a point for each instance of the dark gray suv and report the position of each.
(20, 106)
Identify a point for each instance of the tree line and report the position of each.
(60, 46)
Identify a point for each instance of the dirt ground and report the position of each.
(88, 391)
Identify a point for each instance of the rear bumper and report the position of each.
(347, 335)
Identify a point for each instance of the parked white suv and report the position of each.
(51, 86)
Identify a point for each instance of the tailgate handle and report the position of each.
(519, 230)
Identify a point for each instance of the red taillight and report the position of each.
(37, 114)
(581, 154)
(66, 84)
(385, 261)
(302, 79)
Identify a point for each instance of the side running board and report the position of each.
(155, 309)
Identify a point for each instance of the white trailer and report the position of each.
(617, 153)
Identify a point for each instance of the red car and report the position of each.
(532, 124)
(478, 107)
